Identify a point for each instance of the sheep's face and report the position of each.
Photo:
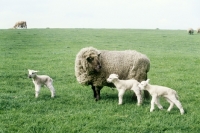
(112, 77)
(93, 62)
(31, 73)
(143, 84)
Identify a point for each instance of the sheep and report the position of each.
(93, 67)
(198, 30)
(39, 80)
(190, 31)
(20, 24)
(157, 91)
(123, 85)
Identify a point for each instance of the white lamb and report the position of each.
(157, 91)
(123, 85)
(40, 80)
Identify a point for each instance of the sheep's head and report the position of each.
(94, 62)
(143, 84)
(32, 73)
(112, 77)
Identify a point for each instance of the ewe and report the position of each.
(190, 31)
(93, 67)
(20, 24)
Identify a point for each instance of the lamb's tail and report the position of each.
(176, 95)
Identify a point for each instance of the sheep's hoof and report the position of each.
(96, 99)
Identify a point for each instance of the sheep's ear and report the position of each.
(99, 53)
(148, 80)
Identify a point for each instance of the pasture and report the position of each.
(175, 60)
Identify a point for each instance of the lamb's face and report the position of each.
(112, 77)
(32, 73)
(93, 61)
(142, 85)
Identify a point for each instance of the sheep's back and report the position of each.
(123, 63)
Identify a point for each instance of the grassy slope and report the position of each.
(175, 63)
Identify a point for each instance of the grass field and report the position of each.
(175, 60)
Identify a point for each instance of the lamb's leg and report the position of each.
(138, 94)
(51, 88)
(158, 103)
(120, 95)
(37, 90)
(153, 102)
(171, 104)
(177, 103)
(143, 77)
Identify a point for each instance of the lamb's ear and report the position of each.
(35, 71)
(147, 80)
(117, 76)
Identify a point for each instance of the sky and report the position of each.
(133, 14)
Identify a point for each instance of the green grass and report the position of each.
(175, 60)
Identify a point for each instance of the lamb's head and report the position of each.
(93, 61)
(112, 78)
(143, 84)
(32, 73)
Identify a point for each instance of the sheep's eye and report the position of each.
(90, 59)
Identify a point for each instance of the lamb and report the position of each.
(39, 80)
(198, 30)
(157, 91)
(20, 24)
(123, 85)
(190, 31)
(93, 67)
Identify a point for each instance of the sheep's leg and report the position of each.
(96, 90)
(134, 97)
(37, 90)
(146, 94)
(153, 102)
(177, 103)
(158, 103)
(51, 88)
(120, 95)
